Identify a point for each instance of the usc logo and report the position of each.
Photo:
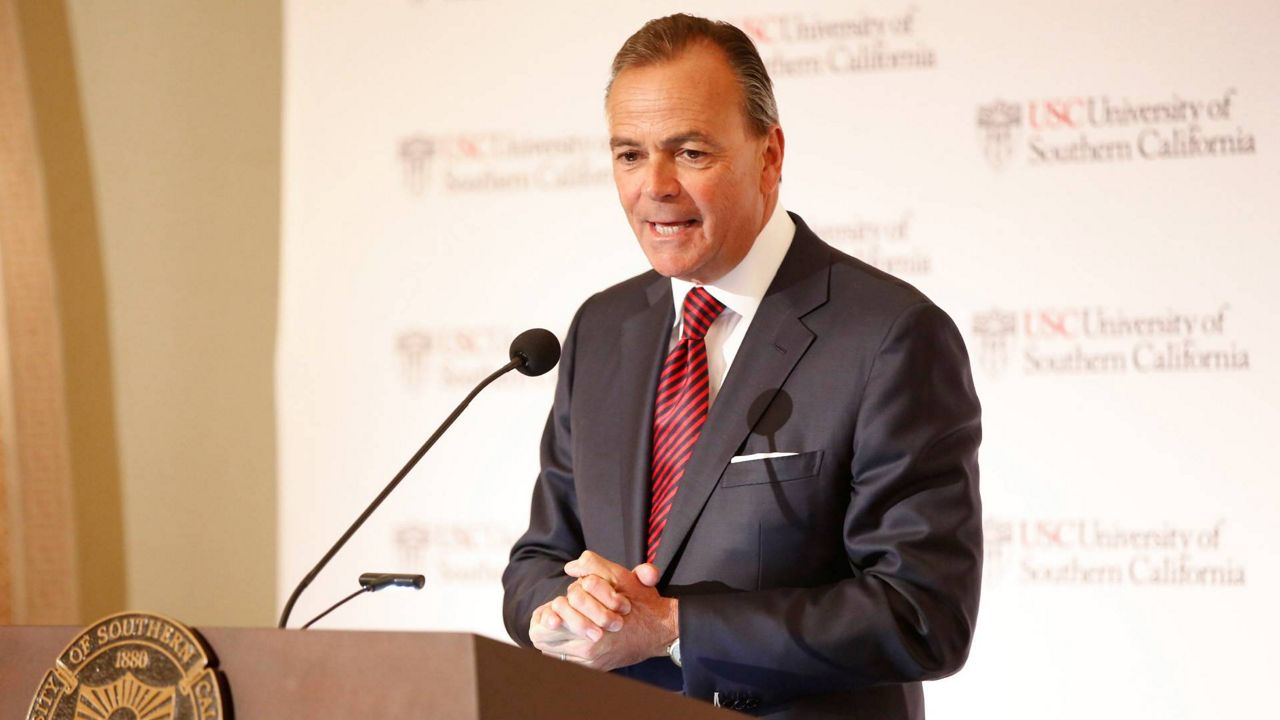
(1059, 114)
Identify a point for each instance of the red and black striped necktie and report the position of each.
(680, 409)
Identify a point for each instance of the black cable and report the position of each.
(335, 606)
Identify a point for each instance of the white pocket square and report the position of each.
(759, 456)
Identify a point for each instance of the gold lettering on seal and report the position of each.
(204, 692)
(110, 652)
(44, 698)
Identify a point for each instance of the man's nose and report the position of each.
(661, 182)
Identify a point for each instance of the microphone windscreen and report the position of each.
(537, 349)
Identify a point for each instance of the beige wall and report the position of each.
(181, 109)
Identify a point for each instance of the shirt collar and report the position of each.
(742, 289)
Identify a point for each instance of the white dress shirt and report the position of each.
(741, 290)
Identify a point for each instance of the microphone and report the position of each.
(538, 349)
(373, 582)
(533, 352)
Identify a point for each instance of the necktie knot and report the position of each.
(700, 310)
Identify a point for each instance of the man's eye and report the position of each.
(694, 154)
(628, 156)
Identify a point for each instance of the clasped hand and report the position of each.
(609, 617)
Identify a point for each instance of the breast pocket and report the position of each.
(772, 470)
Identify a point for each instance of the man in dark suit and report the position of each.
(768, 498)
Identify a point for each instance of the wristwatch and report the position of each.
(673, 652)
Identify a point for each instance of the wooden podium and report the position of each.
(335, 674)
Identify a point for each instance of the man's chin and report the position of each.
(671, 259)
(671, 267)
(691, 275)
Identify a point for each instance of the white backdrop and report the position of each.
(1088, 188)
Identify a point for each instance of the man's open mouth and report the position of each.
(672, 228)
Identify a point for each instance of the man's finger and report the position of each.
(604, 591)
(549, 619)
(544, 616)
(576, 622)
(565, 657)
(589, 563)
(552, 640)
(589, 605)
(648, 574)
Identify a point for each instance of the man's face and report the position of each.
(696, 184)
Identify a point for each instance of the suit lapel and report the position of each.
(774, 343)
(643, 344)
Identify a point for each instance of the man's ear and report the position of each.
(772, 152)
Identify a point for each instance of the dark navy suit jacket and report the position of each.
(824, 584)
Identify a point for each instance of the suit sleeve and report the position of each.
(535, 571)
(913, 537)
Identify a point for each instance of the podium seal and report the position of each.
(131, 666)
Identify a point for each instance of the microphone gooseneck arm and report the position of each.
(518, 361)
